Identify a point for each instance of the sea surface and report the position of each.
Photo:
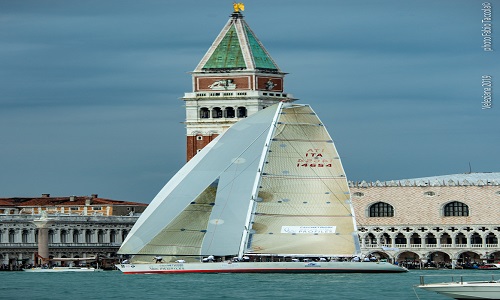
(115, 285)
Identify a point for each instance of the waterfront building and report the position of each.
(235, 78)
(434, 221)
(79, 227)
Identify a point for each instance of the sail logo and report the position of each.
(314, 158)
(308, 229)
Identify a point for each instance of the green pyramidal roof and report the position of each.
(260, 56)
(237, 48)
(228, 53)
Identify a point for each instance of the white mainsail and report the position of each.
(303, 205)
(271, 184)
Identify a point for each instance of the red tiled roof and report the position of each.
(66, 201)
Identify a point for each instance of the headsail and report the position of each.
(230, 163)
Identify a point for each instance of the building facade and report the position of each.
(77, 227)
(435, 221)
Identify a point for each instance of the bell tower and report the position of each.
(236, 78)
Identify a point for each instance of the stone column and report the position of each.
(43, 237)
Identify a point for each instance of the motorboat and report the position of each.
(458, 288)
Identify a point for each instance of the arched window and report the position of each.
(204, 113)
(75, 236)
(242, 112)
(12, 236)
(476, 239)
(24, 236)
(64, 235)
(456, 209)
(100, 236)
(51, 236)
(112, 236)
(88, 236)
(400, 239)
(381, 209)
(216, 112)
(229, 112)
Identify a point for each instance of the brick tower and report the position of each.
(236, 78)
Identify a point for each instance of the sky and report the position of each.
(90, 91)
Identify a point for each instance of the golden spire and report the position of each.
(238, 7)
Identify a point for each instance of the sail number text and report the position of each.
(314, 158)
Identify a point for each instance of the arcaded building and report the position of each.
(441, 219)
(77, 227)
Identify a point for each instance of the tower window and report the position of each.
(381, 209)
(204, 113)
(229, 112)
(242, 112)
(216, 112)
(199, 137)
(456, 209)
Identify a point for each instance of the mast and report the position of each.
(251, 206)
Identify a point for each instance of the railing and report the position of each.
(58, 245)
(405, 246)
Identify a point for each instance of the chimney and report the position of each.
(94, 196)
(88, 201)
(72, 198)
(45, 195)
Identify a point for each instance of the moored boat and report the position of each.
(490, 267)
(458, 288)
(62, 269)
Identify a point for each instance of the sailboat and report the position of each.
(268, 195)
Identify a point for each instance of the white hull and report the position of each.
(62, 269)
(261, 267)
(466, 290)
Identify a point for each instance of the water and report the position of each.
(115, 285)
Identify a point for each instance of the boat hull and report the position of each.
(466, 290)
(61, 269)
(261, 267)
